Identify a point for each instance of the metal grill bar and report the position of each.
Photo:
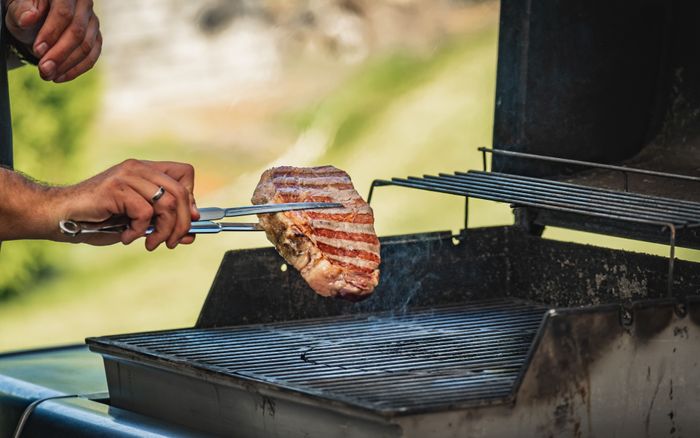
(213, 353)
(518, 193)
(593, 194)
(665, 213)
(422, 360)
(623, 169)
(616, 194)
(551, 195)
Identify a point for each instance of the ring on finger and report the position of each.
(157, 195)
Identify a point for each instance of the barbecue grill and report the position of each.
(463, 337)
(493, 331)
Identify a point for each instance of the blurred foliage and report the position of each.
(354, 108)
(49, 123)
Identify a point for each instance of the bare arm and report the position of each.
(24, 210)
(29, 210)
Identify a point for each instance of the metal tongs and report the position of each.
(205, 224)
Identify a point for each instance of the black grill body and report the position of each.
(510, 331)
(493, 332)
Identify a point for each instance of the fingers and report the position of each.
(137, 209)
(164, 213)
(23, 18)
(84, 64)
(65, 29)
(65, 35)
(187, 239)
(172, 210)
(58, 18)
(165, 223)
(128, 189)
(184, 174)
(86, 51)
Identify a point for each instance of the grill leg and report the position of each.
(466, 212)
(525, 221)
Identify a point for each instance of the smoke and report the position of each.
(406, 276)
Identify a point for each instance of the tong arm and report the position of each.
(73, 228)
(119, 224)
(213, 213)
(209, 227)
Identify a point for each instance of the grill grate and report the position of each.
(559, 196)
(422, 360)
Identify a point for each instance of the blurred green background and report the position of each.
(410, 102)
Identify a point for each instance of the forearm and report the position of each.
(28, 210)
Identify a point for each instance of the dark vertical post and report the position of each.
(5, 118)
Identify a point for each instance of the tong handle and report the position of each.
(119, 224)
(115, 224)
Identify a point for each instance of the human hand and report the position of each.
(63, 34)
(126, 190)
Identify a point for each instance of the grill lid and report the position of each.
(425, 360)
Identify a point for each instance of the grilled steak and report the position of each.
(335, 250)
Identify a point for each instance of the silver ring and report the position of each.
(157, 195)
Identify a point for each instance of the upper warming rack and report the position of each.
(666, 213)
(614, 212)
(558, 196)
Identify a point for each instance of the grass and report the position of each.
(397, 115)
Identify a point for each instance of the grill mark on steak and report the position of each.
(344, 235)
(335, 250)
(319, 191)
(295, 197)
(357, 253)
(316, 174)
(289, 195)
(352, 265)
(347, 244)
(313, 185)
(348, 227)
(362, 218)
(311, 179)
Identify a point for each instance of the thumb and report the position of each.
(22, 13)
(24, 18)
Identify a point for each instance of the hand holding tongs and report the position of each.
(205, 224)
